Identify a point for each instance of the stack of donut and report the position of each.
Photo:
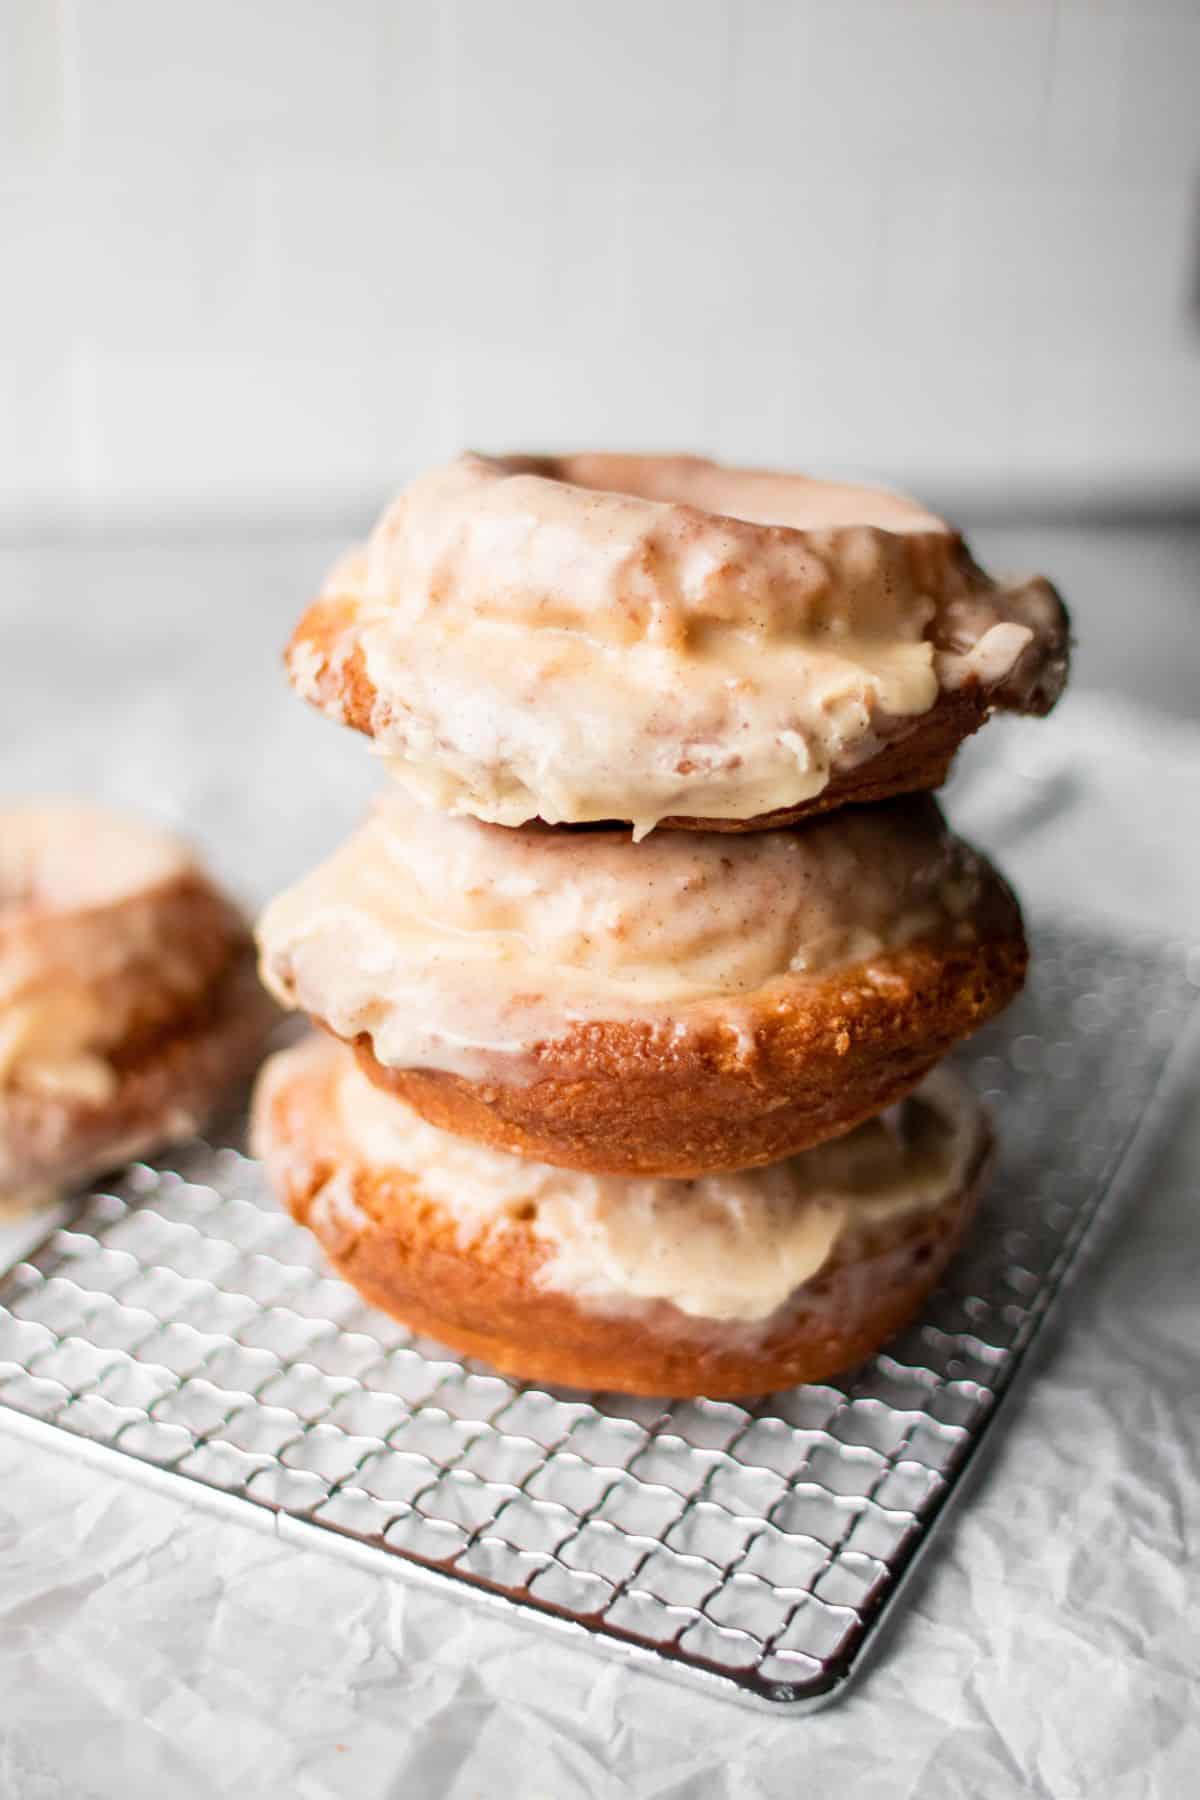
(635, 984)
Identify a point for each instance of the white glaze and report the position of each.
(462, 946)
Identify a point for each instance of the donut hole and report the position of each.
(751, 496)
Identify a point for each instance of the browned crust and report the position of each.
(171, 1073)
(916, 758)
(341, 685)
(198, 934)
(401, 1252)
(623, 1097)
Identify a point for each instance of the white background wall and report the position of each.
(268, 256)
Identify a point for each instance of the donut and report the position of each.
(663, 641)
(732, 1285)
(686, 1005)
(128, 996)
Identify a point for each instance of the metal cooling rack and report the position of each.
(183, 1328)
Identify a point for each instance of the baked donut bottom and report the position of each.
(166, 1082)
(485, 1286)
(808, 1063)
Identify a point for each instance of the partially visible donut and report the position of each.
(662, 641)
(128, 998)
(736, 1285)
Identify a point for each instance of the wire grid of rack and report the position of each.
(181, 1327)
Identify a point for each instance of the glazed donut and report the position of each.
(128, 997)
(732, 1285)
(663, 641)
(690, 1004)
